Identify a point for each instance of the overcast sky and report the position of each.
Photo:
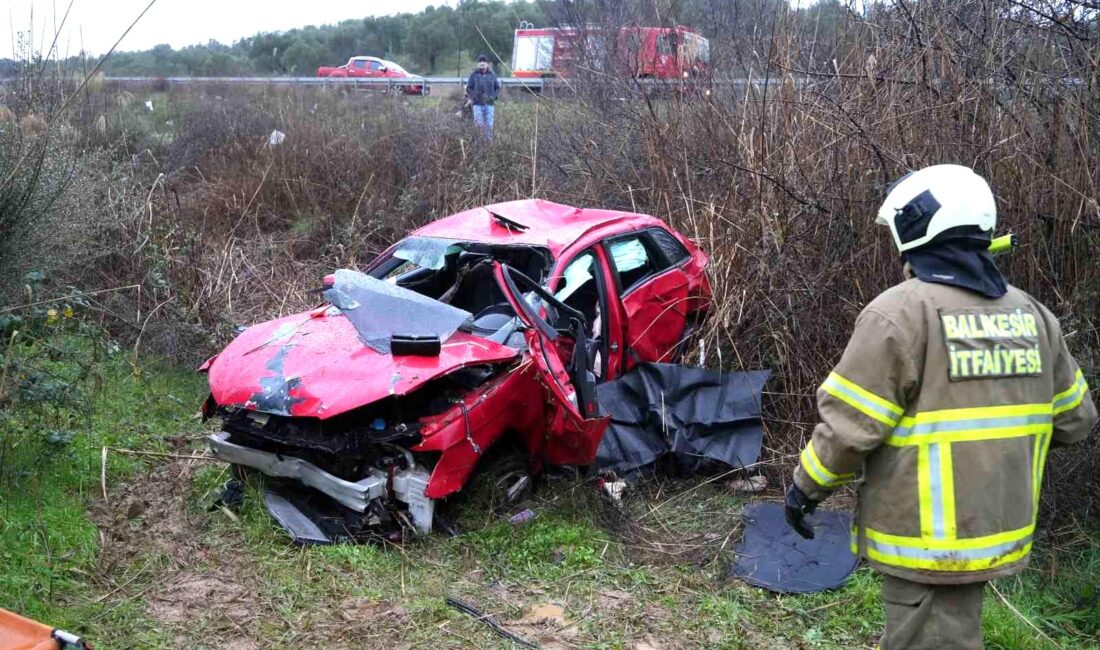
(179, 22)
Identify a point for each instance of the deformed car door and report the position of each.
(655, 298)
(574, 426)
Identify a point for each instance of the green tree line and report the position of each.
(437, 40)
(445, 40)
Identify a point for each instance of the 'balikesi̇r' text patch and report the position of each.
(986, 343)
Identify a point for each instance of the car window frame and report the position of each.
(604, 294)
(652, 248)
(668, 231)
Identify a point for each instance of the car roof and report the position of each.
(534, 222)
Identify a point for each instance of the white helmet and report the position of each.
(925, 203)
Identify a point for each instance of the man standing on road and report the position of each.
(482, 89)
(949, 394)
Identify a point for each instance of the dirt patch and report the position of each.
(145, 525)
(146, 515)
(189, 593)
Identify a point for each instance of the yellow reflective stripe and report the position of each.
(1078, 379)
(817, 470)
(963, 543)
(924, 491)
(936, 490)
(1042, 445)
(862, 399)
(971, 435)
(974, 413)
(947, 491)
(972, 554)
(947, 562)
(970, 424)
(1072, 397)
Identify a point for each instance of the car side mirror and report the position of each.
(381, 68)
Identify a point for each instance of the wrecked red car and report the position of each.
(497, 321)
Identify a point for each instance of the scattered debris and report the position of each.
(773, 556)
(149, 105)
(613, 489)
(496, 627)
(752, 485)
(276, 138)
(522, 518)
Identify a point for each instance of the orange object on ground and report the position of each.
(18, 633)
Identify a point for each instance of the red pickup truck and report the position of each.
(370, 67)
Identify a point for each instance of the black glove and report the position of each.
(798, 505)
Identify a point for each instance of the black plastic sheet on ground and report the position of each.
(772, 556)
(694, 413)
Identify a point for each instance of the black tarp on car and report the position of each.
(694, 413)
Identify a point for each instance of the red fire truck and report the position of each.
(639, 52)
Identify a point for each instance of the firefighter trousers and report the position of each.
(931, 617)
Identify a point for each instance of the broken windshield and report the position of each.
(426, 252)
(380, 310)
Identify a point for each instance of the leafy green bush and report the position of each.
(49, 373)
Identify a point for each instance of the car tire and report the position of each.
(396, 90)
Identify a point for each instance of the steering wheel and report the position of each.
(514, 278)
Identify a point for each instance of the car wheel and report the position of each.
(507, 479)
(396, 90)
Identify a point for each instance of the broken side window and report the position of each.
(634, 259)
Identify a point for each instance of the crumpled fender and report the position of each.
(510, 401)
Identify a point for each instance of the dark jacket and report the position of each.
(483, 87)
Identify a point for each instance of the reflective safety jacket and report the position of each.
(949, 401)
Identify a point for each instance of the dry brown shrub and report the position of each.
(33, 125)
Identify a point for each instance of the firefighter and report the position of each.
(950, 392)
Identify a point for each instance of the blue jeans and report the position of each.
(483, 117)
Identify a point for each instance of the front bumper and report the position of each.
(408, 485)
(355, 495)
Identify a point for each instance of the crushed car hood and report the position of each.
(314, 364)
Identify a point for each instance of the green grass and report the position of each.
(48, 545)
(277, 595)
